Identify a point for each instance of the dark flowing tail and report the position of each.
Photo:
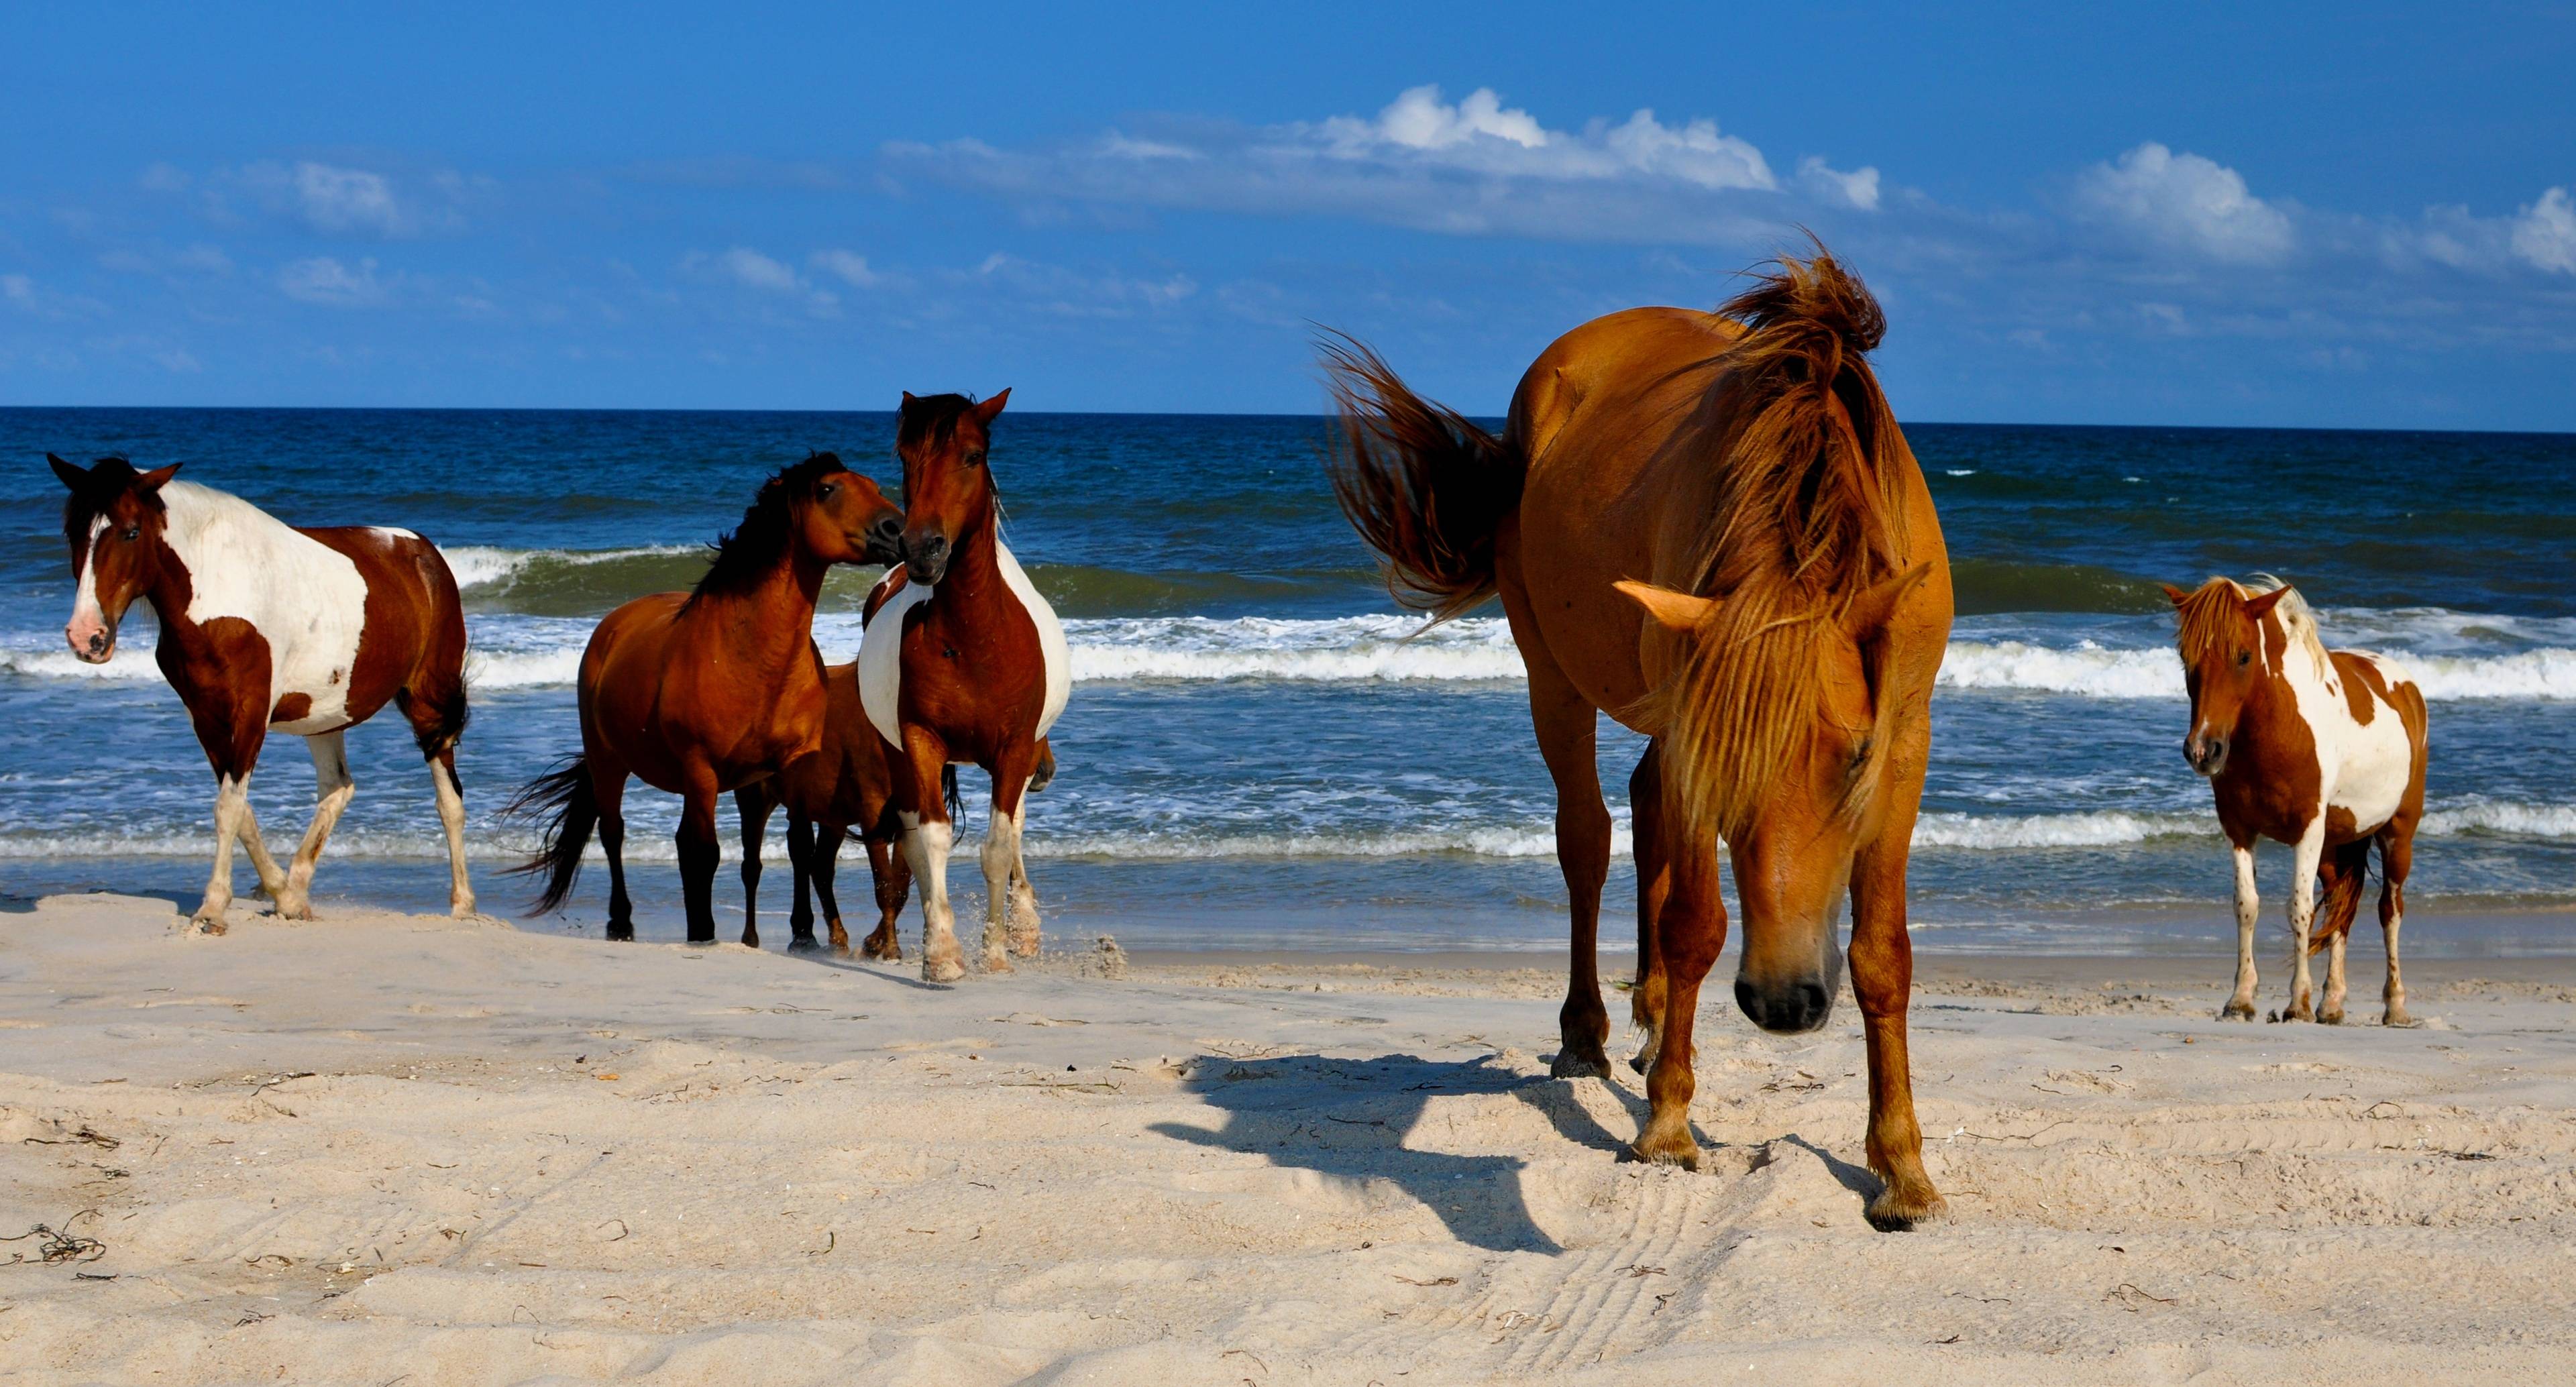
(1424, 487)
(564, 794)
(2334, 914)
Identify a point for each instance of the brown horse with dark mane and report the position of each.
(965, 662)
(266, 627)
(1779, 651)
(706, 691)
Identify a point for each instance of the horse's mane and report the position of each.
(746, 553)
(930, 418)
(108, 476)
(1806, 511)
(2213, 618)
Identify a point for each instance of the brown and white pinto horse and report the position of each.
(2323, 750)
(267, 627)
(964, 663)
(1780, 653)
(706, 691)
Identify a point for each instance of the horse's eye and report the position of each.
(975, 459)
(828, 489)
(133, 532)
(2244, 658)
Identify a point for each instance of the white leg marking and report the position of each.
(927, 845)
(232, 798)
(2332, 1012)
(1001, 856)
(272, 878)
(451, 816)
(1024, 903)
(2303, 914)
(2393, 996)
(2240, 1003)
(332, 791)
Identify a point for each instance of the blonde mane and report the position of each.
(2213, 618)
(1807, 512)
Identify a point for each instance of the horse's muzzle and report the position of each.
(92, 646)
(1799, 1004)
(885, 541)
(926, 558)
(2207, 754)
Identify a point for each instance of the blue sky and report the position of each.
(2353, 215)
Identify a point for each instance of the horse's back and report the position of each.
(414, 628)
(2382, 748)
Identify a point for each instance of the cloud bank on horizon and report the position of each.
(1181, 258)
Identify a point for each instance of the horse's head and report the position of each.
(1775, 734)
(2230, 647)
(845, 518)
(947, 490)
(113, 522)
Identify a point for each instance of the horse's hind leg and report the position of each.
(891, 874)
(800, 870)
(2396, 858)
(2344, 872)
(272, 878)
(608, 789)
(332, 790)
(451, 819)
(436, 712)
(698, 852)
(1565, 724)
(1654, 883)
(752, 804)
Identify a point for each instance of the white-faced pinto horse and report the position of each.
(1780, 653)
(964, 663)
(707, 691)
(2323, 750)
(265, 627)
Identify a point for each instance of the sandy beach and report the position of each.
(388, 1149)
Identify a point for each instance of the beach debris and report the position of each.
(60, 1246)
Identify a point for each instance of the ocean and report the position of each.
(1260, 754)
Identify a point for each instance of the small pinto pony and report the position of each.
(2323, 750)
(706, 691)
(1779, 653)
(963, 663)
(268, 627)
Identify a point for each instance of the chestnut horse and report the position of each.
(263, 627)
(2323, 750)
(1779, 653)
(706, 691)
(963, 663)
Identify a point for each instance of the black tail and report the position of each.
(948, 791)
(566, 795)
(1423, 486)
(443, 732)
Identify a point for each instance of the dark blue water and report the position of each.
(1253, 755)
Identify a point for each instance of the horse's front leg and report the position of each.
(890, 872)
(1882, 970)
(1690, 931)
(2303, 914)
(800, 869)
(1654, 884)
(332, 791)
(2240, 1003)
(927, 838)
(752, 805)
(1001, 860)
(232, 737)
(698, 852)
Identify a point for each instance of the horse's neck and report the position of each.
(973, 581)
(770, 624)
(223, 557)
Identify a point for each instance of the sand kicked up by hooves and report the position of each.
(382, 1149)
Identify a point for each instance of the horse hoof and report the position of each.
(1569, 1065)
(2330, 1018)
(998, 962)
(942, 969)
(2236, 1011)
(1025, 946)
(2396, 1016)
(1684, 1153)
(209, 925)
(1894, 1212)
(803, 944)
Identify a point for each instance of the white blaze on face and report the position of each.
(87, 620)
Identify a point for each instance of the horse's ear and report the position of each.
(151, 481)
(986, 412)
(1674, 611)
(2174, 594)
(1871, 610)
(908, 401)
(70, 473)
(2255, 607)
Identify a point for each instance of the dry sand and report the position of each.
(384, 1149)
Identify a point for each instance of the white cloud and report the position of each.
(1481, 135)
(324, 280)
(2183, 202)
(342, 200)
(2545, 232)
(1857, 189)
(852, 269)
(750, 268)
(18, 289)
(1417, 120)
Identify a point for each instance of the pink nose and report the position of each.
(93, 641)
